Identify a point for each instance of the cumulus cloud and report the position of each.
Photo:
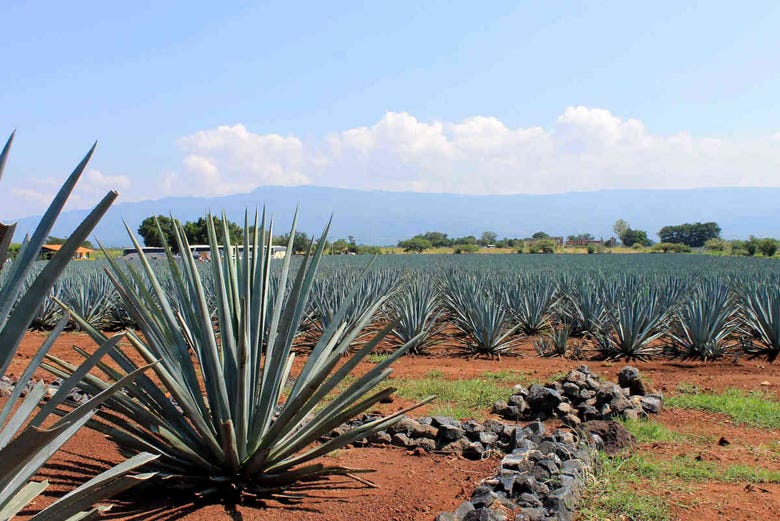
(584, 149)
(229, 160)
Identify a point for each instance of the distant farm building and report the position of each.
(48, 251)
(198, 251)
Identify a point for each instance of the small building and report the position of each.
(199, 252)
(48, 251)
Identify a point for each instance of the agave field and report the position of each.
(621, 306)
(240, 380)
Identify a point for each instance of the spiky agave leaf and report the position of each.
(637, 318)
(220, 413)
(417, 308)
(704, 321)
(530, 299)
(760, 303)
(553, 343)
(479, 313)
(24, 445)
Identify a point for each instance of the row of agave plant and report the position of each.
(202, 396)
(626, 315)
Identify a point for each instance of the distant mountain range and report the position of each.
(384, 218)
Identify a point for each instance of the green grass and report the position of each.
(646, 431)
(377, 358)
(756, 409)
(613, 493)
(691, 470)
(471, 398)
(738, 473)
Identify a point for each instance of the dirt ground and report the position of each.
(411, 487)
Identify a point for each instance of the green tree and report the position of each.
(691, 234)
(542, 246)
(540, 235)
(581, 237)
(466, 248)
(340, 246)
(716, 244)
(197, 232)
(13, 251)
(767, 247)
(632, 237)
(150, 234)
(301, 241)
(487, 238)
(415, 244)
(437, 239)
(620, 228)
(468, 239)
(672, 247)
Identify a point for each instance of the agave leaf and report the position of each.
(23, 497)
(106, 484)
(19, 418)
(16, 325)
(25, 258)
(4, 153)
(34, 363)
(30, 450)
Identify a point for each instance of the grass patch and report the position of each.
(613, 495)
(756, 409)
(377, 358)
(751, 474)
(646, 431)
(691, 470)
(470, 398)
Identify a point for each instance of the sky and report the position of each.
(493, 97)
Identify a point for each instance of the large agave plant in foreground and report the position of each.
(222, 412)
(25, 445)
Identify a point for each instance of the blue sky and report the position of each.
(193, 98)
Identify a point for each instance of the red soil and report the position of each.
(417, 487)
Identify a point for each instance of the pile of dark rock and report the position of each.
(443, 434)
(542, 475)
(541, 479)
(581, 396)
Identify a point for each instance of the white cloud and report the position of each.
(229, 160)
(584, 149)
(37, 193)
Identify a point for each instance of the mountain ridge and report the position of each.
(385, 217)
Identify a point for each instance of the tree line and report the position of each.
(197, 233)
(673, 238)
